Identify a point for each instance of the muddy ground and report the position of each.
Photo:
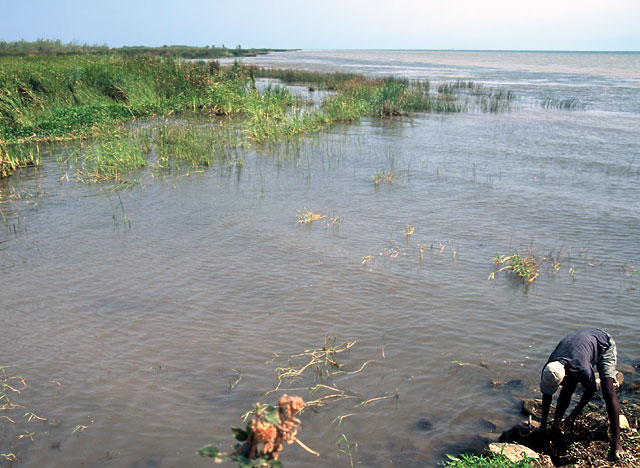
(586, 444)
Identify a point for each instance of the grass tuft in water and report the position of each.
(306, 216)
(383, 176)
(563, 104)
(14, 157)
(524, 267)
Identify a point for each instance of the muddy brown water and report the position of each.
(139, 331)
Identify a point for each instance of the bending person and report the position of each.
(571, 363)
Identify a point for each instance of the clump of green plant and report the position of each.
(306, 216)
(317, 80)
(563, 104)
(197, 146)
(383, 176)
(524, 267)
(348, 448)
(482, 461)
(261, 441)
(14, 157)
(110, 159)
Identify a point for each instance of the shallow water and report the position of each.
(139, 331)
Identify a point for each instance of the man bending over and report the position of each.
(571, 363)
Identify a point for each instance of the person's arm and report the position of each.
(586, 397)
(613, 411)
(546, 404)
(568, 387)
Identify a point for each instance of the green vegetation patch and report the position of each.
(86, 95)
(481, 461)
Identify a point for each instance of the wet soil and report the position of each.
(586, 444)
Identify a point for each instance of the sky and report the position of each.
(331, 24)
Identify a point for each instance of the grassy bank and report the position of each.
(57, 48)
(71, 96)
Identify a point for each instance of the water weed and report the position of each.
(306, 216)
(14, 157)
(263, 438)
(558, 103)
(110, 160)
(383, 176)
(348, 448)
(524, 267)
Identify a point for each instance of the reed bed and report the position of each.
(557, 103)
(178, 146)
(16, 156)
(110, 160)
(86, 95)
(315, 80)
(58, 48)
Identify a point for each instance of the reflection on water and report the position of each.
(137, 331)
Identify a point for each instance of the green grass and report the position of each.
(57, 48)
(14, 157)
(524, 267)
(192, 146)
(481, 461)
(315, 80)
(88, 95)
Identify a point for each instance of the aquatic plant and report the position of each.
(524, 267)
(348, 448)
(383, 176)
(263, 438)
(557, 103)
(193, 146)
(14, 157)
(306, 216)
(18, 420)
(313, 79)
(110, 159)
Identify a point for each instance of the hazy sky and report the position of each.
(331, 24)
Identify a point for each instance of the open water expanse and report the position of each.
(147, 321)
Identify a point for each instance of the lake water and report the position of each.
(150, 336)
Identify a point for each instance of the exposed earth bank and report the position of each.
(586, 444)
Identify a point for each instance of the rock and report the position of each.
(517, 434)
(634, 385)
(533, 406)
(489, 437)
(488, 425)
(424, 425)
(626, 369)
(514, 452)
(624, 422)
(497, 383)
(546, 461)
(514, 384)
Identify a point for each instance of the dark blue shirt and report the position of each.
(579, 352)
